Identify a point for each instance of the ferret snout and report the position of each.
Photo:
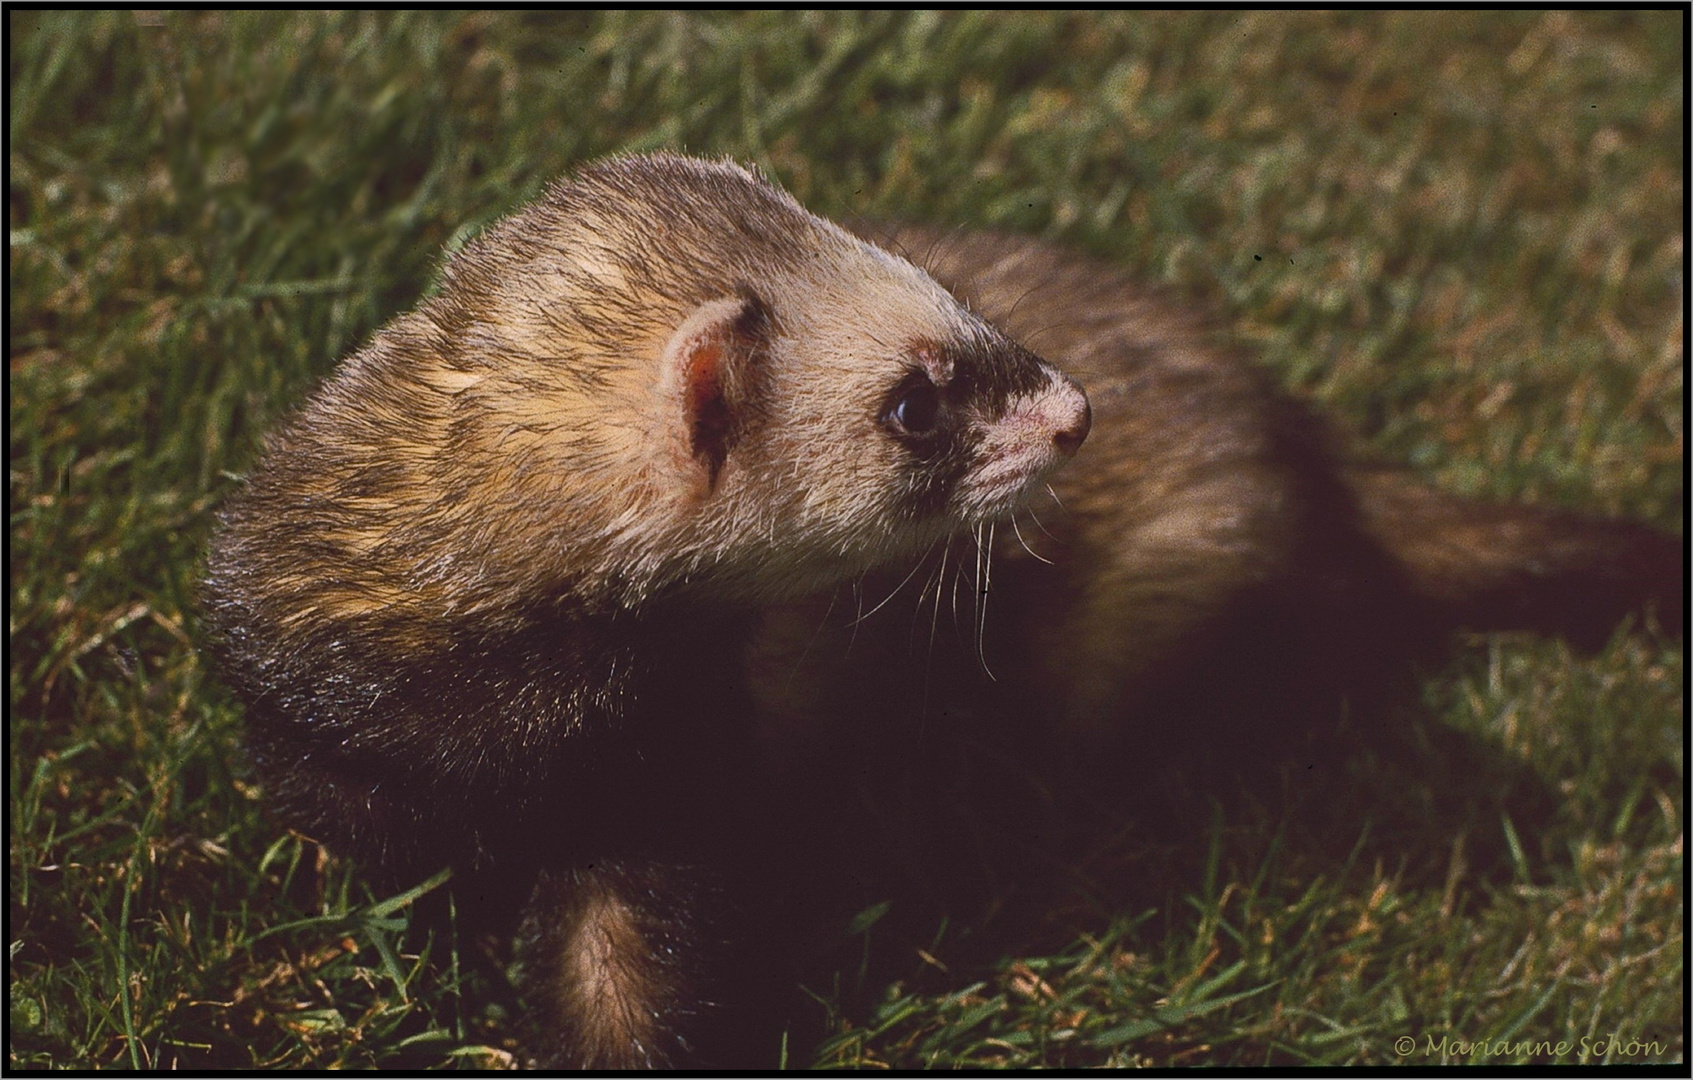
(1037, 433)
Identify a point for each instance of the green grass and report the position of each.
(1462, 233)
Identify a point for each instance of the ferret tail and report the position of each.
(1485, 566)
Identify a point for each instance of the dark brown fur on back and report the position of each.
(1205, 498)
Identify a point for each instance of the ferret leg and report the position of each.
(624, 963)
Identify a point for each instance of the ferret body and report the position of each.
(484, 595)
(516, 590)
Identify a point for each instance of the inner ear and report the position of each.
(716, 362)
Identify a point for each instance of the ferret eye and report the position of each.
(915, 408)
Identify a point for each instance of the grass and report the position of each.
(1273, 952)
(1461, 233)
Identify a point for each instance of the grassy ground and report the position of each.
(1461, 232)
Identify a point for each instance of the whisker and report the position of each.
(1030, 336)
(816, 633)
(957, 577)
(896, 590)
(929, 655)
(858, 602)
(1034, 517)
(1024, 295)
(984, 582)
(1024, 544)
(937, 582)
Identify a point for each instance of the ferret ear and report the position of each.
(715, 365)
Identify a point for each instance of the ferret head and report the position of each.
(673, 377)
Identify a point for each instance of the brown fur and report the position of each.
(1205, 497)
(513, 590)
(485, 593)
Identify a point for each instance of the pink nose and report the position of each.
(1068, 439)
(1068, 411)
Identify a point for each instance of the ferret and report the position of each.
(515, 591)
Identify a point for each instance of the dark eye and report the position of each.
(915, 408)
